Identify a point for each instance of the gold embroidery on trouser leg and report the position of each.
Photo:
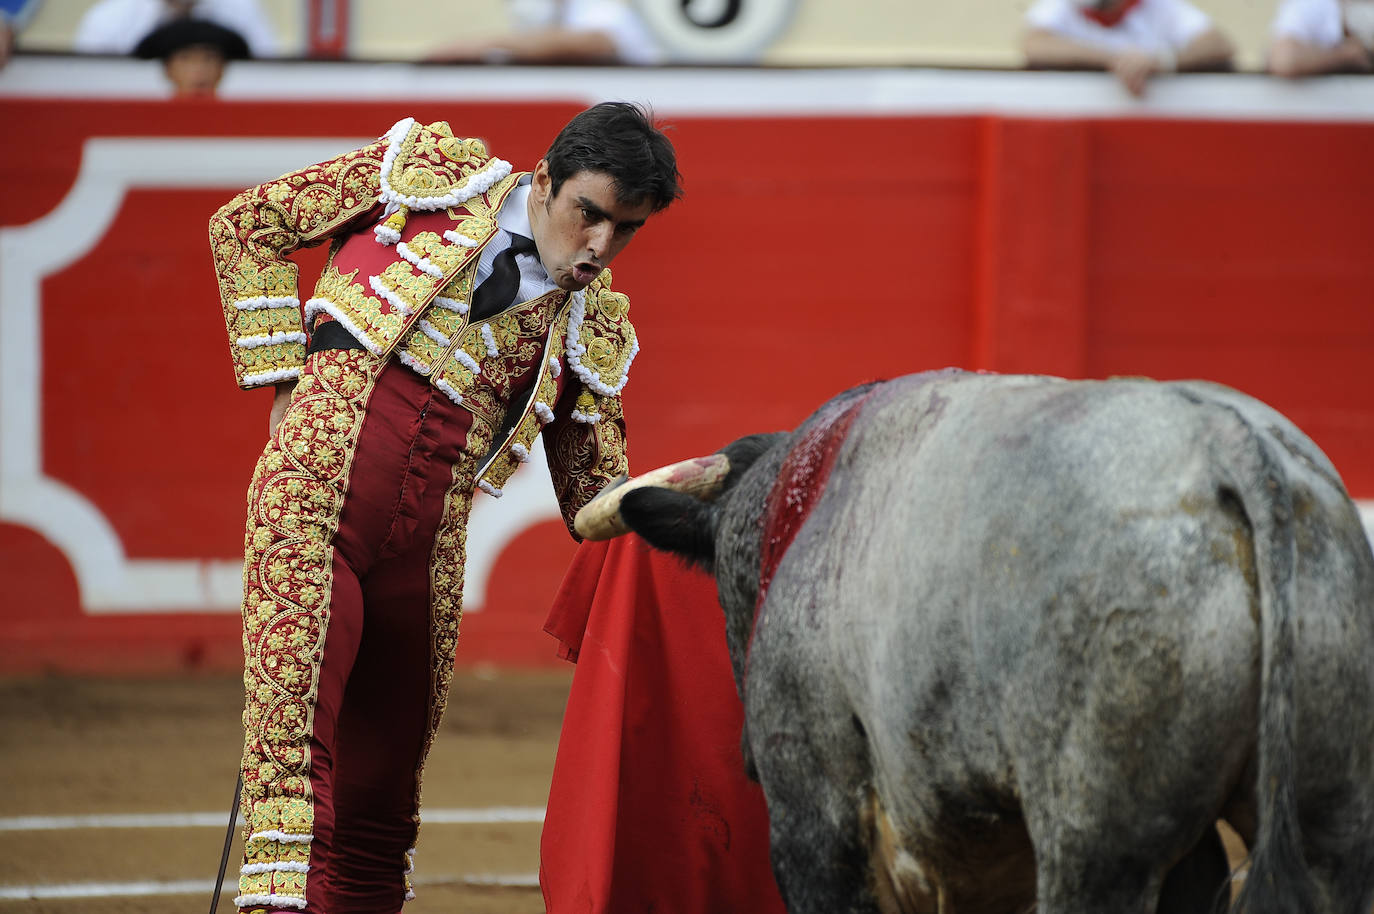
(446, 612)
(294, 504)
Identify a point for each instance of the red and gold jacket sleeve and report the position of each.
(250, 238)
(585, 443)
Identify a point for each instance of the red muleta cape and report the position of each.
(649, 807)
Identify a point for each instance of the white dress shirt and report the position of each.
(514, 217)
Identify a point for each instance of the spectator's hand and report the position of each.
(280, 401)
(1134, 68)
(467, 52)
(1356, 54)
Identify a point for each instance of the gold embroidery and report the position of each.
(294, 503)
(411, 287)
(481, 215)
(418, 179)
(423, 349)
(362, 309)
(447, 562)
(251, 236)
(397, 220)
(606, 334)
(460, 287)
(266, 321)
(612, 305)
(473, 227)
(445, 256)
(446, 322)
(480, 437)
(462, 150)
(504, 465)
(519, 334)
(584, 456)
(261, 359)
(420, 170)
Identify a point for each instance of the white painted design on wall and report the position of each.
(730, 91)
(109, 580)
(717, 31)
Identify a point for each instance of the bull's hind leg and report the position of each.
(808, 753)
(1088, 883)
(1110, 876)
(815, 830)
(1200, 883)
(818, 860)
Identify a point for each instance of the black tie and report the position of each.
(498, 291)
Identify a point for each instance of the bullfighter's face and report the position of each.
(582, 228)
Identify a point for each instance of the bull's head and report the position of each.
(707, 510)
(676, 508)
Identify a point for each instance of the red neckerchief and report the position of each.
(799, 485)
(1111, 17)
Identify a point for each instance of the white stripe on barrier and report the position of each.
(199, 886)
(517, 815)
(731, 91)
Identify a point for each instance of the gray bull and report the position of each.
(1034, 637)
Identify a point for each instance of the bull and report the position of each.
(1010, 643)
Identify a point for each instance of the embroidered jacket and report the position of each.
(404, 288)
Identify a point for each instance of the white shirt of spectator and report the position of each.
(1154, 26)
(634, 43)
(1359, 21)
(1323, 23)
(117, 26)
(1315, 22)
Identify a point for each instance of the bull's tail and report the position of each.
(1278, 881)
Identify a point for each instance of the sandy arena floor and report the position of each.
(170, 747)
(80, 747)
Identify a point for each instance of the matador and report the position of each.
(465, 309)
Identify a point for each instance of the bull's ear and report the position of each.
(673, 522)
(743, 452)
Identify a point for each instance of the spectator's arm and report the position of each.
(550, 45)
(1210, 51)
(1292, 58)
(1046, 50)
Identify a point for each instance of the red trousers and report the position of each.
(352, 579)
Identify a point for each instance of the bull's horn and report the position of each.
(701, 477)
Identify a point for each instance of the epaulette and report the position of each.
(427, 168)
(601, 340)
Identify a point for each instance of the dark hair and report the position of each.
(186, 32)
(618, 139)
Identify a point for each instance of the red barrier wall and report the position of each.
(810, 254)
